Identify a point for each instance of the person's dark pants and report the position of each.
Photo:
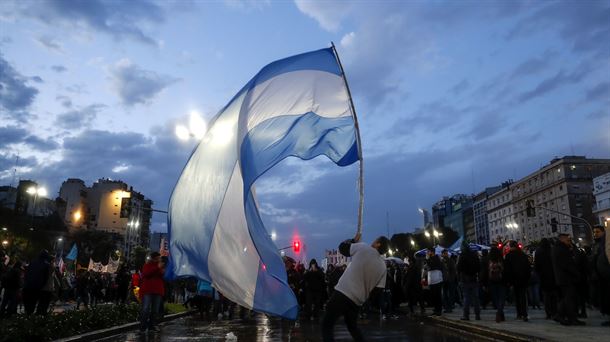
(339, 305)
(150, 309)
(550, 298)
(9, 303)
(498, 296)
(313, 300)
(43, 303)
(437, 297)
(471, 296)
(521, 300)
(448, 295)
(604, 296)
(567, 304)
(30, 299)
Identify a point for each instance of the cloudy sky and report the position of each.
(453, 96)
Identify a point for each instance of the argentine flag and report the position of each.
(298, 106)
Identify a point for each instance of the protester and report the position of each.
(449, 281)
(152, 292)
(567, 277)
(366, 272)
(497, 284)
(483, 279)
(36, 277)
(542, 262)
(434, 278)
(411, 285)
(49, 290)
(315, 286)
(517, 273)
(601, 271)
(11, 283)
(468, 268)
(533, 289)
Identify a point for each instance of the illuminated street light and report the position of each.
(197, 128)
(435, 233)
(273, 236)
(4, 228)
(412, 242)
(77, 216)
(4, 243)
(60, 239)
(427, 234)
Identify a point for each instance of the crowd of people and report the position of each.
(562, 279)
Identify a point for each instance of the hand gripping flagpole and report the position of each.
(358, 142)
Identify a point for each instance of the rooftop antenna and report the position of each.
(387, 219)
(15, 169)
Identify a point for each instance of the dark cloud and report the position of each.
(59, 68)
(601, 92)
(119, 19)
(533, 65)
(37, 79)
(7, 162)
(15, 135)
(583, 24)
(78, 118)
(461, 87)
(15, 95)
(65, 101)
(50, 43)
(135, 85)
(558, 80)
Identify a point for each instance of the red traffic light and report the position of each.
(296, 246)
(499, 246)
(520, 246)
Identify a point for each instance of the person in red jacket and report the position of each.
(152, 291)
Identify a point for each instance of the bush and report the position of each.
(66, 324)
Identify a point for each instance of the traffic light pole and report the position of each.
(572, 216)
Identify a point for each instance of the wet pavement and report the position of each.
(266, 329)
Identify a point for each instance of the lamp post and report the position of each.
(36, 191)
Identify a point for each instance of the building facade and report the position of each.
(500, 218)
(601, 191)
(455, 213)
(108, 205)
(561, 191)
(481, 225)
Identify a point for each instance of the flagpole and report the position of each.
(361, 171)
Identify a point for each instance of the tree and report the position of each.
(95, 244)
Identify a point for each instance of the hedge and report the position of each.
(66, 324)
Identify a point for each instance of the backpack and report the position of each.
(495, 271)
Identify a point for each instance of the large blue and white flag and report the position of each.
(298, 106)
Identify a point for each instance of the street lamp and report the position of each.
(4, 243)
(197, 128)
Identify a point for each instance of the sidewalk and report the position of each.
(537, 329)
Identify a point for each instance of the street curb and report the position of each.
(489, 333)
(98, 334)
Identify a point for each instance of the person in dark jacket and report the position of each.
(582, 287)
(601, 271)
(497, 284)
(152, 291)
(483, 279)
(314, 284)
(468, 268)
(542, 261)
(411, 286)
(517, 273)
(449, 281)
(11, 284)
(435, 280)
(567, 277)
(36, 277)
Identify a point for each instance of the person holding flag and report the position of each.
(366, 272)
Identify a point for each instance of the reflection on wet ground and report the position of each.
(263, 329)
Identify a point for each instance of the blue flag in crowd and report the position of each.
(298, 106)
(73, 253)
